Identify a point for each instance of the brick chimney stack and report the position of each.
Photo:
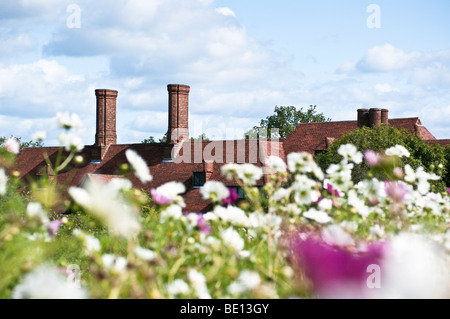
(374, 117)
(178, 113)
(363, 117)
(385, 116)
(106, 120)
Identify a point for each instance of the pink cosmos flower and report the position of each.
(448, 190)
(232, 198)
(333, 269)
(395, 191)
(372, 158)
(159, 199)
(203, 225)
(12, 145)
(333, 191)
(53, 227)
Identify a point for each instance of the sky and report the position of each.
(241, 58)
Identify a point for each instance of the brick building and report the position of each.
(194, 163)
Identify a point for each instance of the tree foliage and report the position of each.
(201, 137)
(431, 157)
(285, 119)
(151, 139)
(22, 144)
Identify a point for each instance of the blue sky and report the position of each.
(240, 57)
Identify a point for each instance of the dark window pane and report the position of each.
(199, 179)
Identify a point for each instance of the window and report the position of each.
(238, 191)
(199, 179)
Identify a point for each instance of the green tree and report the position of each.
(151, 139)
(447, 167)
(201, 137)
(381, 138)
(22, 144)
(285, 119)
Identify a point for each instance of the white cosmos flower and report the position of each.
(104, 203)
(67, 121)
(3, 181)
(140, 167)
(46, 282)
(292, 209)
(247, 281)
(232, 238)
(114, 263)
(177, 287)
(358, 204)
(300, 162)
(305, 190)
(39, 136)
(145, 254)
(276, 164)
(12, 145)
(35, 210)
(71, 142)
(119, 184)
(350, 226)
(325, 204)
(377, 230)
(335, 235)
(172, 211)
(91, 243)
(281, 194)
(250, 173)
(350, 153)
(198, 281)
(214, 191)
(318, 216)
(414, 268)
(229, 171)
(340, 175)
(233, 215)
(419, 177)
(258, 220)
(398, 150)
(171, 190)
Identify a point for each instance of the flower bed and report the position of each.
(307, 234)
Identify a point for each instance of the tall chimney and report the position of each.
(363, 117)
(385, 116)
(178, 113)
(374, 117)
(106, 119)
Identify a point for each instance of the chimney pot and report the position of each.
(363, 117)
(385, 116)
(374, 117)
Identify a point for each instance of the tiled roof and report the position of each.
(442, 142)
(307, 137)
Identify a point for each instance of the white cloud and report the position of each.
(226, 11)
(387, 58)
(15, 43)
(419, 66)
(36, 82)
(138, 47)
(385, 88)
